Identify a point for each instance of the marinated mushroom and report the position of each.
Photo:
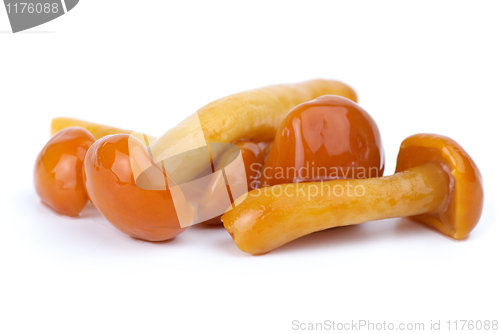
(436, 183)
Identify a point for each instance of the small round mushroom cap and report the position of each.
(460, 213)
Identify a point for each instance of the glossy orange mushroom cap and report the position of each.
(328, 138)
(58, 171)
(147, 212)
(461, 211)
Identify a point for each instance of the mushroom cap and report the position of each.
(327, 138)
(458, 216)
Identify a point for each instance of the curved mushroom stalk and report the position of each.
(252, 115)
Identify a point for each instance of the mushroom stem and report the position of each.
(97, 130)
(270, 217)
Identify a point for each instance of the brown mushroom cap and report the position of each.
(460, 214)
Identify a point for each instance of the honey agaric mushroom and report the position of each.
(436, 183)
(58, 171)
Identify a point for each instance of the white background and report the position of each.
(421, 67)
